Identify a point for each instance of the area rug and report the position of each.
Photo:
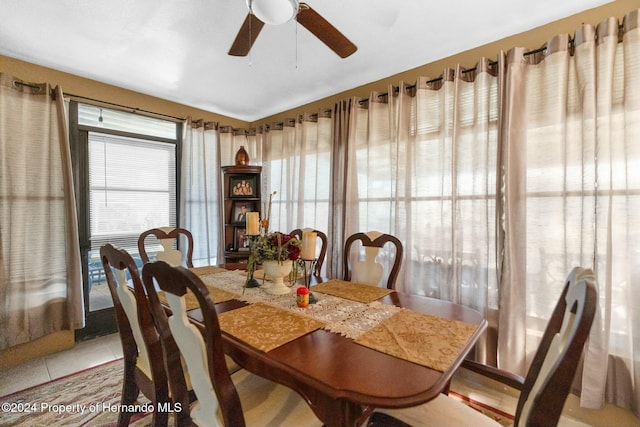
(86, 398)
(90, 398)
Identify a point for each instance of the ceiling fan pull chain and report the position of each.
(250, 39)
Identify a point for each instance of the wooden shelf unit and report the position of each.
(241, 188)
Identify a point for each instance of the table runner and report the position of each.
(217, 295)
(424, 339)
(266, 327)
(420, 338)
(260, 275)
(342, 316)
(351, 290)
(207, 269)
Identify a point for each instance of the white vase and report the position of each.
(276, 272)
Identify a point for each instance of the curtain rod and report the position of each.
(134, 110)
(32, 86)
(125, 107)
(437, 79)
(38, 87)
(527, 53)
(469, 70)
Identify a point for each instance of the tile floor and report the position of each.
(82, 356)
(104, 349)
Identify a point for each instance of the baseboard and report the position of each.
(49, 344)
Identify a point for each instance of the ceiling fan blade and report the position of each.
(327, 33)
(246, 36)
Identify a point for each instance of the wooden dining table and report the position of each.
(342, 380)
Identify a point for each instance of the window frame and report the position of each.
(99, 322)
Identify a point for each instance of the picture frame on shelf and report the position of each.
(240, 239)
(243, 186)
(239, 211)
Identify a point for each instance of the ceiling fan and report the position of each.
(274, 12)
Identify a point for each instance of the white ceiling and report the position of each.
(177, 49)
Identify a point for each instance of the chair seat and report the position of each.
(266, 403)
(232, 366)
(443, 411)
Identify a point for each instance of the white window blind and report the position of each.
(90, 115)
(132, 188)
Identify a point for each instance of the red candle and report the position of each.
(302, 297)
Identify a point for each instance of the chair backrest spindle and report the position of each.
(369, 271)
(549, 378)
(202, 352)
(167, 237)
(144, 366)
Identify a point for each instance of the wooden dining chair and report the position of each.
(143, 364)
(168, 237)
(222, 399)
(368, 270)
(544, 390)
(299, 232)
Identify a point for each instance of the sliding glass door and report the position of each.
(126, 169)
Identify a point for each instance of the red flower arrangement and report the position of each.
(273, 246)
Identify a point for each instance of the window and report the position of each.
(132, 188)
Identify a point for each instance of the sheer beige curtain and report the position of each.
(572, 191)
(297, 167)
(231, 139)
(281, 174)
(341, 129)
(420, 163)
(371, 168)
(40, 270)
(200, 207)
(454, 236)
(206, 147)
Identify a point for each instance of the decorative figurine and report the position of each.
(242, 157)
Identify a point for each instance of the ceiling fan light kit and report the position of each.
(273, 12)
